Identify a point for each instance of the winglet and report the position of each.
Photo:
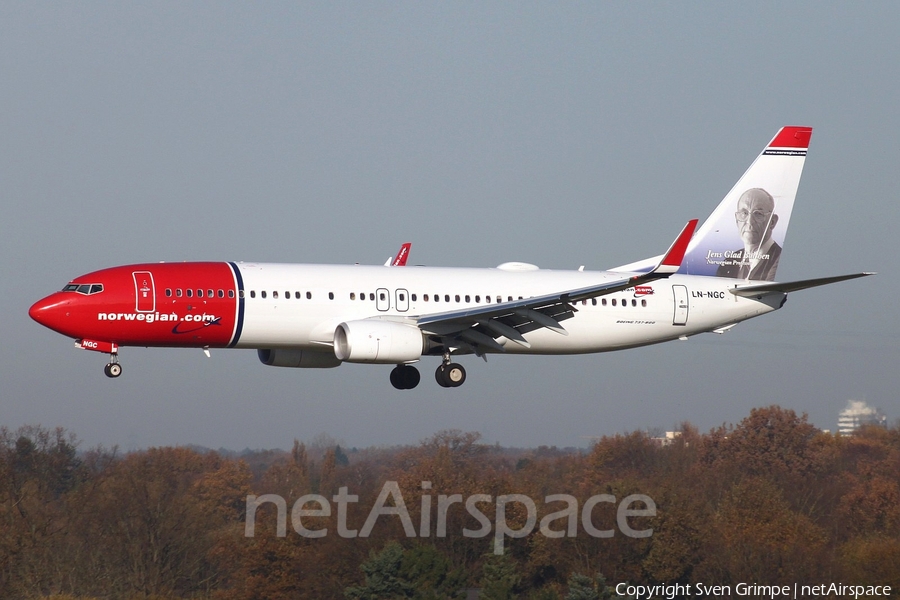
(402, 255)
(671, 260)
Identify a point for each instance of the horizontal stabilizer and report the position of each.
(791, 286)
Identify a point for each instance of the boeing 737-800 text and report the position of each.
(319, 316)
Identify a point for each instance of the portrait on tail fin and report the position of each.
(755, 218)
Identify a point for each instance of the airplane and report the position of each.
(320, 316)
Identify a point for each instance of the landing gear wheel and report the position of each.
(440, 377)
(450, 375)
(113, 370)
(405, 377)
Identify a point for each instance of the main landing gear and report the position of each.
(406, 377)
(450, 374)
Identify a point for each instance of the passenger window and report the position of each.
(331, 295)
(353, 295)
(499, 299)
(221, 293)
(309, 295)
(199, 293)
(634, 302)
(447, 297)
(593, 301)
(178, 293)
(287, 295)
(275, 295)
(413, 297)
(297, 295)
(613, 301)
(402, 297)
(381, 295)
(240, 293)
(263, 294)
(510, 298)
(253, 293)
(209, 294)
(487, 299)
(644, 302)
(371, 296)
(467, 298)
(425, 297)
(457, 297)
(168, 292)
(477, 298)
(189, 293)
(603, 301)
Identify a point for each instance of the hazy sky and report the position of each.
(559, 134)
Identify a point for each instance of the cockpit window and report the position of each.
(84, 288)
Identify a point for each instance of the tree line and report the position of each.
(770, 500)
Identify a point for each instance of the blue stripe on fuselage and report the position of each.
(240, 295)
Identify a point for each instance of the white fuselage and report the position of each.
(662, 310)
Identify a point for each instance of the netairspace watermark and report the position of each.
(752, 590)
(568, 516)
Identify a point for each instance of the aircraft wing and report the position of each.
(756, 289)
(477, 328)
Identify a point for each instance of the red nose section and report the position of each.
(51, 312)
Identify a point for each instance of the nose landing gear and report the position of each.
(113, 369)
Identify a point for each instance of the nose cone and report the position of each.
(51, 312)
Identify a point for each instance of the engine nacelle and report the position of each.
(297, 358)
(376, 341)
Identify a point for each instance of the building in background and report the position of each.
(668, 440)
(857, 414)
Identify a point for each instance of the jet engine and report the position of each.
(297, 358)
(377, 341)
